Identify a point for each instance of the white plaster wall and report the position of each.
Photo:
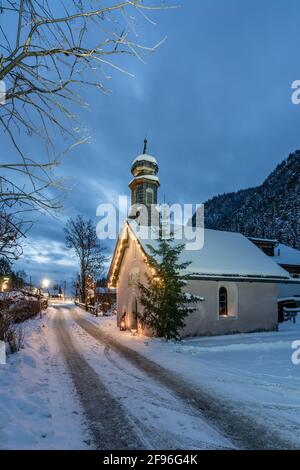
(255, 303)
(133, 261)
(256, 309)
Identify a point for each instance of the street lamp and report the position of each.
(5, 284)
(45, 283)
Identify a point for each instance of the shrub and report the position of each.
(15, 308)
(4, 325)
(10, 332)
(24, 310)
(15, 337)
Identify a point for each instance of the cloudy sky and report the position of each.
(214, 101)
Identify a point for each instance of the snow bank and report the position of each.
(32, 412)
(16, 295)
(233, 347)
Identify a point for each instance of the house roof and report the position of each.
(266, 240)
(286, 255)
(224, 254)
(231, 254)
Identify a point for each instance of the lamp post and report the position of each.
(5, 284)
(44, 285)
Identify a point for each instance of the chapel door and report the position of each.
(134, 322)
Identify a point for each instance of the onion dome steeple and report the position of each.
(145, 183)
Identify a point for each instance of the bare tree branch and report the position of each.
(80, 235)
(47, 62)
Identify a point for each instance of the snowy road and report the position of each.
(216, 418)
(106, 419)
(125, 406)
(80, 383)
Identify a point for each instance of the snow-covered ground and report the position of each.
(38, 407)
(160, 419)
(255, 371)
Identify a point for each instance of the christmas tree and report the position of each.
(165, 303)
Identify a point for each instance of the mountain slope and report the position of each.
(271, 210)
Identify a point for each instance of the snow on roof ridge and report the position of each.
(226, 254)
(146, 157)
(261, 239)
(147, 177)
(292, 297)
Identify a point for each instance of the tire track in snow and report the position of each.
(117, 365)
(244, 431)
(159, 417)
(107, 420)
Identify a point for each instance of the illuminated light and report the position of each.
(45, 283)
(5, 284)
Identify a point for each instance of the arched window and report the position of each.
(223, 301)
(149, 196)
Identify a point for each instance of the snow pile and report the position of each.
(24, 415)
(238, 348)
(16, 296)
(20, 305)
(32, 415)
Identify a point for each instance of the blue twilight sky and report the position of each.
(214, 102)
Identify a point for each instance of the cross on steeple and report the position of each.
(145, 146)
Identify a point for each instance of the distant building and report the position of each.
(286, 257)
(105, 294)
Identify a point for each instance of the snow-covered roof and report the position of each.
(225, 254)
(286, 255)
(16, 295)
(268, 240)
(147, 177)
(145, 157)
(105, 290)
(295, 298)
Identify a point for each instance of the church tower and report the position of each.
(145, 183)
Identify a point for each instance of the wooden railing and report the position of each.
(88, 308)
(290, 314)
